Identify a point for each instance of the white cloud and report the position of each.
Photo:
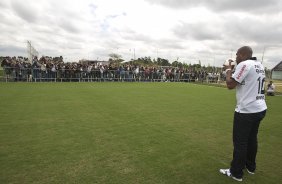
(189, 30)
(223, 5)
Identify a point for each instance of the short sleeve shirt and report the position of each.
(250, 75)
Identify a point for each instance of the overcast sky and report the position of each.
(188, 30)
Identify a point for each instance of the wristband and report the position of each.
(228, 69)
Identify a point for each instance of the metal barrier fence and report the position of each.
(8, 74)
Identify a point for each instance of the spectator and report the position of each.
(270, 89)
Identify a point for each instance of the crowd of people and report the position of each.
(55, 69)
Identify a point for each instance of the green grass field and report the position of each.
(118, 133)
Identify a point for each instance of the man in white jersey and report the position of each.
(248, 79)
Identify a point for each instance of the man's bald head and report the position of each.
(244, 53)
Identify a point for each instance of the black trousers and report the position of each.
(245, 130)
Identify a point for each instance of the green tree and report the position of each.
(115, 58)
(175, 63)
(164, 62)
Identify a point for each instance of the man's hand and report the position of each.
(229, 65)
(230, 83)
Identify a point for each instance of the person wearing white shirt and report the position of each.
(248, 79)
(270, 89)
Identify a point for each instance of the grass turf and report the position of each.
(126, 133)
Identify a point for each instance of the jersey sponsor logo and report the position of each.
(241, 72)
(259, 69)
(260, 97)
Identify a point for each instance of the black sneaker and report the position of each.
(250, 172)
(228, 173)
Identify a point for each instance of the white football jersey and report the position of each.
(250, 96)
